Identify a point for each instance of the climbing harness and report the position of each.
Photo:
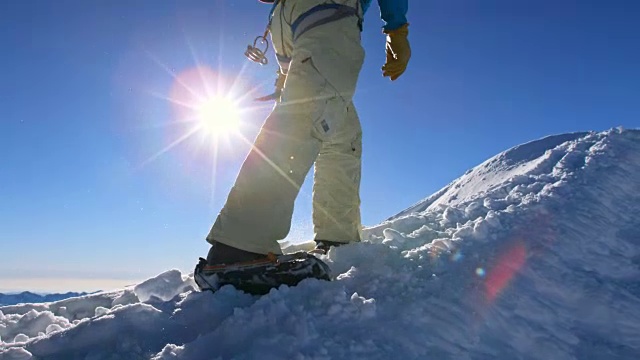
(312, 18)
(320, 15)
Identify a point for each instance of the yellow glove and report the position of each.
(398, 52)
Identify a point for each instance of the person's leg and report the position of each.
(336, 199)
(320, 84)
(259, 208)
(336, 190)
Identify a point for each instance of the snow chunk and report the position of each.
(15, 353)
(442, 244)
(393, 237)
(101, 311)
(480, 229)
(31, 324)
(473, 209)
(367, 306)
(127, 297)
(164, 286)
(451, 216)
(52, 328)
(464, 231)
(170, 351)
(492, 219)
(20, 338)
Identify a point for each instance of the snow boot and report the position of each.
(323, 246)
(225, 254)
(256, 273)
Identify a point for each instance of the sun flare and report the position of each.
(208, 113)
(218, 115)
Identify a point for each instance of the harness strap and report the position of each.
(320, 15)
(314, 17)
(284, 62)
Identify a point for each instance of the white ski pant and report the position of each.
(314, 123)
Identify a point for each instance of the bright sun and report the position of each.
(218, 115)
(206, 111)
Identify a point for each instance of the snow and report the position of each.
(533, 254)
(163, 287)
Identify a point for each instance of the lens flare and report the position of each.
(506, 268)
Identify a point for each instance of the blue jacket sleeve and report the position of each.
(393, 13)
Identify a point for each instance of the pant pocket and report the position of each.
(330, 119)
(328, 108)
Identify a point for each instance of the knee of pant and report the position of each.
(282, 231)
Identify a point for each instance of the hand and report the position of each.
(398, 52)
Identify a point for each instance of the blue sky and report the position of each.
(86, 202)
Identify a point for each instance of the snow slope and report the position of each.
(534, 254)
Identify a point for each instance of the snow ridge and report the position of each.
(533, 254)
(29, 297)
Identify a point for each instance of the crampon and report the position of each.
(260, 276)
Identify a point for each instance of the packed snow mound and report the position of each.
(534, 254)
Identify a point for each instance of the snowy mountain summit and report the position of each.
(533, 254)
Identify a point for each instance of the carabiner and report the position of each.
(255, 54)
